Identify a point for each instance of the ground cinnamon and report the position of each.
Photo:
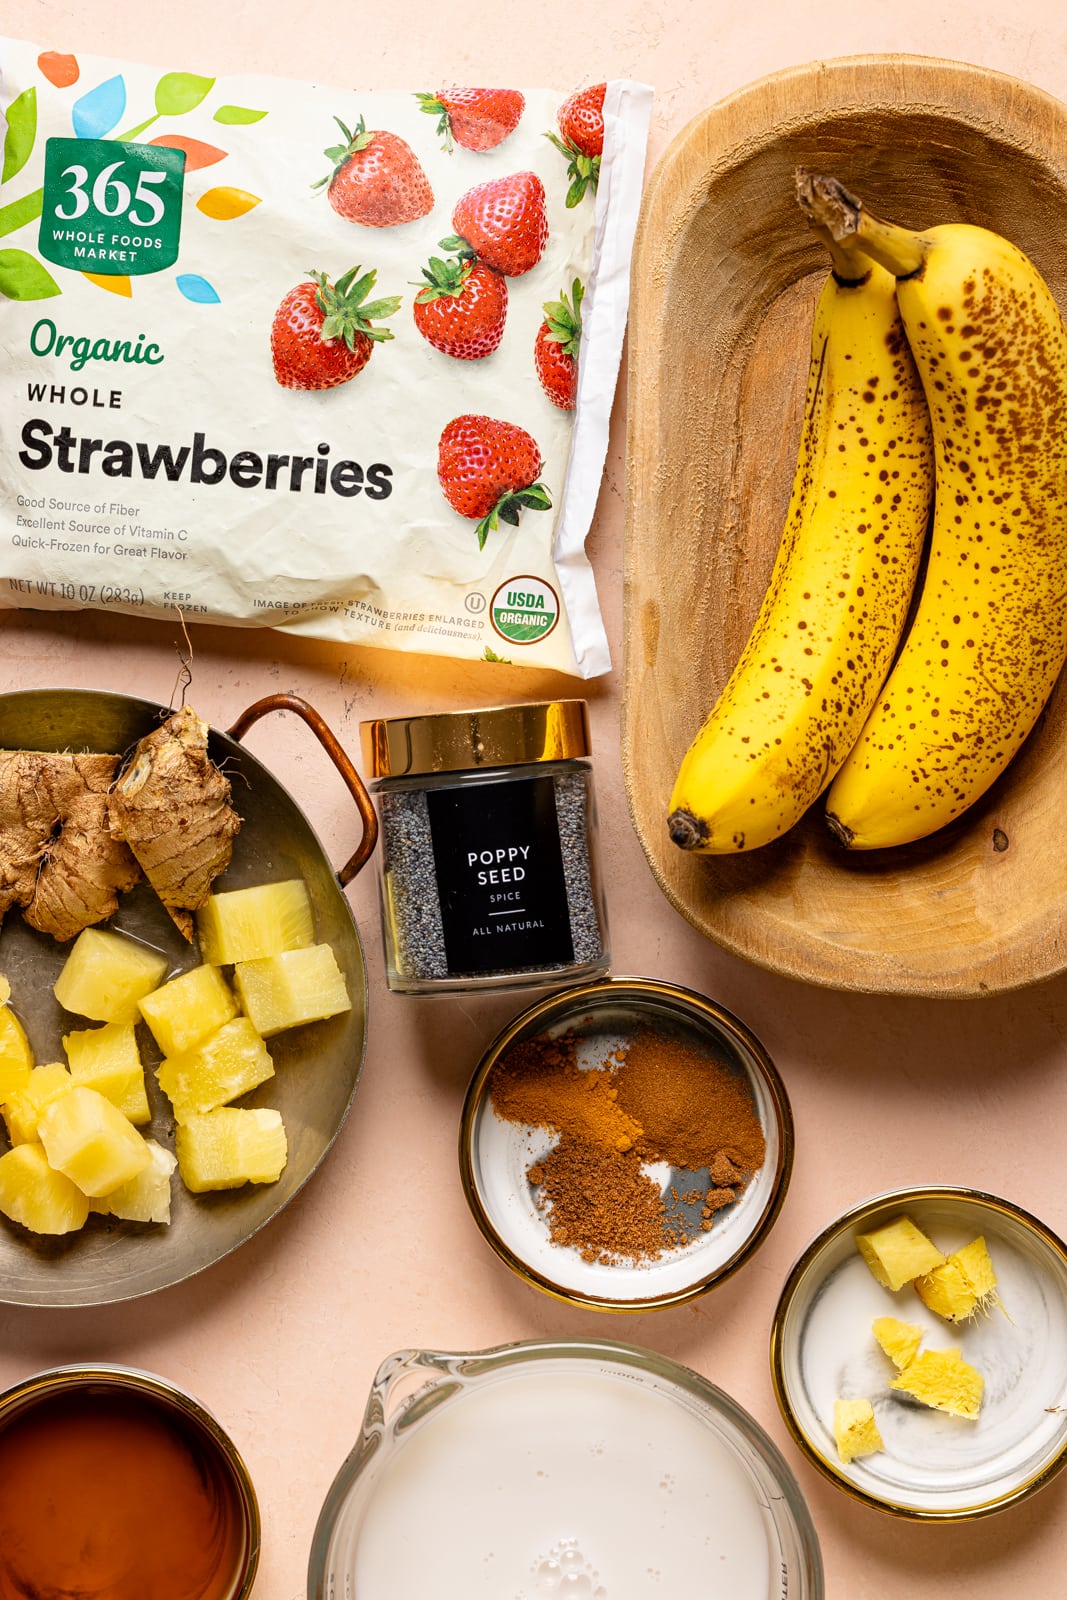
(692, 1106)
(661, 1099)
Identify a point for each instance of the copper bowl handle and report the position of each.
(332, 745)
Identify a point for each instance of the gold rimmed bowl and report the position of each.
(934, 1466)
(496, 1156)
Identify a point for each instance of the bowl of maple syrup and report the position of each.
(118, 1485)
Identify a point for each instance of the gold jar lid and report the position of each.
(493, 736)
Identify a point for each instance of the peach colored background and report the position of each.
(283, 1338)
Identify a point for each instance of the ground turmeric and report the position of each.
(538, 1082)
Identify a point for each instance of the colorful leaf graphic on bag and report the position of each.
(60, 70)
(224, 204)
(113, 285)
(21, 133)
(176, 94)
(22, 277)
(180, 92)
(99, 111)
(197, 154)
(19, 212)
(197, 289)
(238, 115)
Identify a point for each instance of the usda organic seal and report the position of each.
(524, 609)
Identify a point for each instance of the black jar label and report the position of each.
(500, 876)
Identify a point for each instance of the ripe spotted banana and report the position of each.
(989, 635)
(842, 580)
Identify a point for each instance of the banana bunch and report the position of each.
(843, 577)
(988, 635)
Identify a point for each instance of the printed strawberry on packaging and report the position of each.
(404, 294)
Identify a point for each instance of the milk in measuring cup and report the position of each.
(575, 1484)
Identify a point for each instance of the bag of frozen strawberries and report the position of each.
(324, 360)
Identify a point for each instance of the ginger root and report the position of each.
(57, 858)
(171, 807)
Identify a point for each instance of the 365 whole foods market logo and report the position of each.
(110, 209)
(524, 610)
(109, 200)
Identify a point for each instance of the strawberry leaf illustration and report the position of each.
(179, 92)
(535, 496)
(21, 133)
(22, 277)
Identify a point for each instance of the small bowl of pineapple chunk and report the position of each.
(919, 1353)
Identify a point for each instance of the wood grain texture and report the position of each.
(725, 277)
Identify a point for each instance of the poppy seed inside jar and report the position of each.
(487, 868)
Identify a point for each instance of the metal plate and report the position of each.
(317, 1066)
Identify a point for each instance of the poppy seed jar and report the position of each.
(487, 866)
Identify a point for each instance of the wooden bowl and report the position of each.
(725, 277)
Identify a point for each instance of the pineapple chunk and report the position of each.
(88, 1139)
(145, 1198)
(296, 986)
(899, 1340)
(188, 1009)
(230, 1063)
(247, 924)
(898, 1252)
(107, 1059)
(942, 1379)
(16, 1057)
(855, 1430)
(106, 974)
(962, 1285)
(34, 1194)
(225, 1148)
(23, 1109)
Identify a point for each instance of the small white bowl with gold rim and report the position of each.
(933, 1465)
(498, 1158)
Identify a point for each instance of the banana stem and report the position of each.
(830, 206)
(850, 265)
